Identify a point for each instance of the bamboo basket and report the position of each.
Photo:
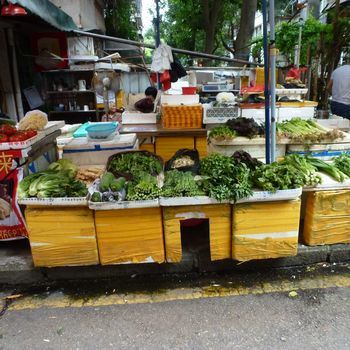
(182, 117)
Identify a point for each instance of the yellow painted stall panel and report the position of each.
(219, 216)
(166, 147)
(265, 230)
(62, 236)
(201, 146)
(147, 147)
(327, 218)
(130, 236)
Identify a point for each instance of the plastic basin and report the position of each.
(101, 131)
(191, 90)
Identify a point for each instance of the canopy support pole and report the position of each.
(266, 83)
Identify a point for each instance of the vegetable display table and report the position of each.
(62, 236)
(130, 235)
(327, 219)
(265, 230)
(219, 216)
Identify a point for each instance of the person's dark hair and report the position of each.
(151, 91)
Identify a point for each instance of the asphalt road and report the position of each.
(312, 318)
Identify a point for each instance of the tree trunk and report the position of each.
(211, 15)
(246, 29)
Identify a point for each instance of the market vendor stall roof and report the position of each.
(49, 12)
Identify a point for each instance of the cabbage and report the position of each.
(65, 165)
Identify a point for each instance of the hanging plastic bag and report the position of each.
(12, 224)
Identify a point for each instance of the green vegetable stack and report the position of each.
(343, 163)
(224, 178)
(110, 189)
(306, 131)
(180, 184)
(144, 188)
(56, 182)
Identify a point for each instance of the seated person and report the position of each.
(146, 105)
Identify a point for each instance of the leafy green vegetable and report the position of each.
(343, 163)
(106, 181)
(96, 197)
(64, 165)
(180, 184)
(247, 159)
(306, 131)
(145, 187)
(51, 184)
(327, 168)
(117, 184)
(292, 172)
(135, 164)
(224, 179)
(222, 133)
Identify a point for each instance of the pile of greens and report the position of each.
(327, 168)
(51, 184)
(222, 133)
(343, 163)
(306, 131)
(135, 163)
(144, 188)
(225, 179)
(180, 184)
(293, 172)
(247, 159)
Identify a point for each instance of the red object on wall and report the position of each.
(45, 43)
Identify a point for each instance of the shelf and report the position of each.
(68, 70)
(71, 92)
(72, 112)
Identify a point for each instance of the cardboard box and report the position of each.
(265, 230)
(327, 218)
(62, 236)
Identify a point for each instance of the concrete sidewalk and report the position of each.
(16, 265)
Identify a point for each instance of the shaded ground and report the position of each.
(211, 311)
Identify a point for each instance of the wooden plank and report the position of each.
(201, 146)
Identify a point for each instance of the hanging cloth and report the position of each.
(162, 59)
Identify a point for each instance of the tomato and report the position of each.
(7, 129)
(19, 136)
(3, 138)
(30, 133)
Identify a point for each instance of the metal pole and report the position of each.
(299, 43)
(151, 46)
(273, 79)
(157, 31)
(266, 84)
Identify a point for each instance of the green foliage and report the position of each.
(120, 19)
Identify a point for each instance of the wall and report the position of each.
(87, 14)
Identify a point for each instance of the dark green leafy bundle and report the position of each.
(247, 159)
(180, 184)
(143, 188)
(135, 164)
(224, 179)
(222, 133)
(247, 127)
(343, 163)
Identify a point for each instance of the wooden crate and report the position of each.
(219, 216)
(62, 236)
(265, 230)
(201, 146)
(166, 147)
(182, 116)
(327, 217)
(130, 236)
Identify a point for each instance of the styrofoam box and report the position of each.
(179, 99)
(267, 196)
(322, 151)
(257, 113)
(82, 151)
(328, 184)
(335, 123)
(133, 117)
(54, 202)
(288, 113)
